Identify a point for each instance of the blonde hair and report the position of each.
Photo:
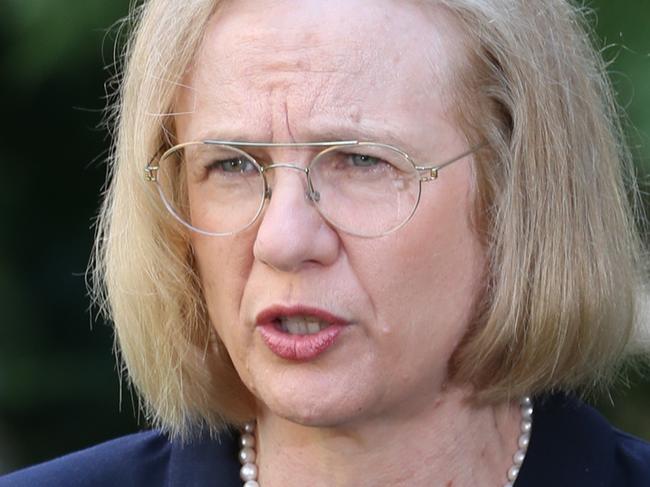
(565, 257)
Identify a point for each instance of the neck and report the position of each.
(450, 443)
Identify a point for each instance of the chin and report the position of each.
(319, 415)
(314, 406)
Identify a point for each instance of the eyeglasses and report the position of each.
(365, 189)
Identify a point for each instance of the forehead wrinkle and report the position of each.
(286, 50)
(306, 60)
(237, 57)
(315, 79)
(253, 56)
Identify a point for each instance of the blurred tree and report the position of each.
(58, 386)
(622, 29)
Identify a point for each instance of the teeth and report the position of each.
(297, 325)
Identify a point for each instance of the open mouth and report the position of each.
(298, 332)
(300, 325)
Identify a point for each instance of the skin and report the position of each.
(377, 404)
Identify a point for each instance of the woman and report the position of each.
(379, 242)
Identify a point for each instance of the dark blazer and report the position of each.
(571, 446)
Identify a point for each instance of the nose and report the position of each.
(292, 234)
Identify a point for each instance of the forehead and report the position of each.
(319, 64)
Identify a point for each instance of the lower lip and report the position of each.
(299, 347)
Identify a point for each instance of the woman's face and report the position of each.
(393, 309)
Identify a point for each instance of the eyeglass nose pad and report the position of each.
(311, 194)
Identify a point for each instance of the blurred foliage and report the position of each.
(53, 39)
(623, 30)
(59, 388)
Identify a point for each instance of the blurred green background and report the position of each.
(59, 387)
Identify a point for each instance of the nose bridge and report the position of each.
(291, 231)
(271, 184)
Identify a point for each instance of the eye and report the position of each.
(231, 166)
(372, 162)
(363, 160)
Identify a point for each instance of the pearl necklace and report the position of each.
(248, 472)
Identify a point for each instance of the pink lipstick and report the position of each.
(298, 333)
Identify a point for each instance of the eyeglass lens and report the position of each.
(363, 189)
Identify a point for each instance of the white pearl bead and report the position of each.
(249, 427)
(512, 473)
(519, 457)
(251, 483)
(526, 426)
(526, 402)
(509, 484)
(247, 441)
(527, 413)
(247, 455)
(524, 441)
(248, 472)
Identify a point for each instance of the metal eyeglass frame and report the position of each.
(426, 173)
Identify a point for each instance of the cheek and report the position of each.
(449, 258)
(224, 266)
(428, 278)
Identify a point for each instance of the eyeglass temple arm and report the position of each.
(431, 172)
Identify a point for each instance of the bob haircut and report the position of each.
(557, 223)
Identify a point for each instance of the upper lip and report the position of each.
(274, 313)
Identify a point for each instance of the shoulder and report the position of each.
(126, 459)
(572, 444)
(632, 458)
(148, 458)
